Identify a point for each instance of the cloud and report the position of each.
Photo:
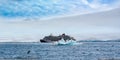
(95, 4)
(98, 4)
(48, 8)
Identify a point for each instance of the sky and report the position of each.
(51, 8)
(103, 24)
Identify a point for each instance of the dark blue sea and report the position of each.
(48, 51)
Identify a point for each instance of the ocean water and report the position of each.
(47, 51)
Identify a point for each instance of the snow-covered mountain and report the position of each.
(102, 25)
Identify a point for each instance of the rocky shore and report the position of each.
(51, 38)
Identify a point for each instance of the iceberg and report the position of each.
(68, 42)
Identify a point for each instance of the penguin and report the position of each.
(28, 52)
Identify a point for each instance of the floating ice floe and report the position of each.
(68, 42)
